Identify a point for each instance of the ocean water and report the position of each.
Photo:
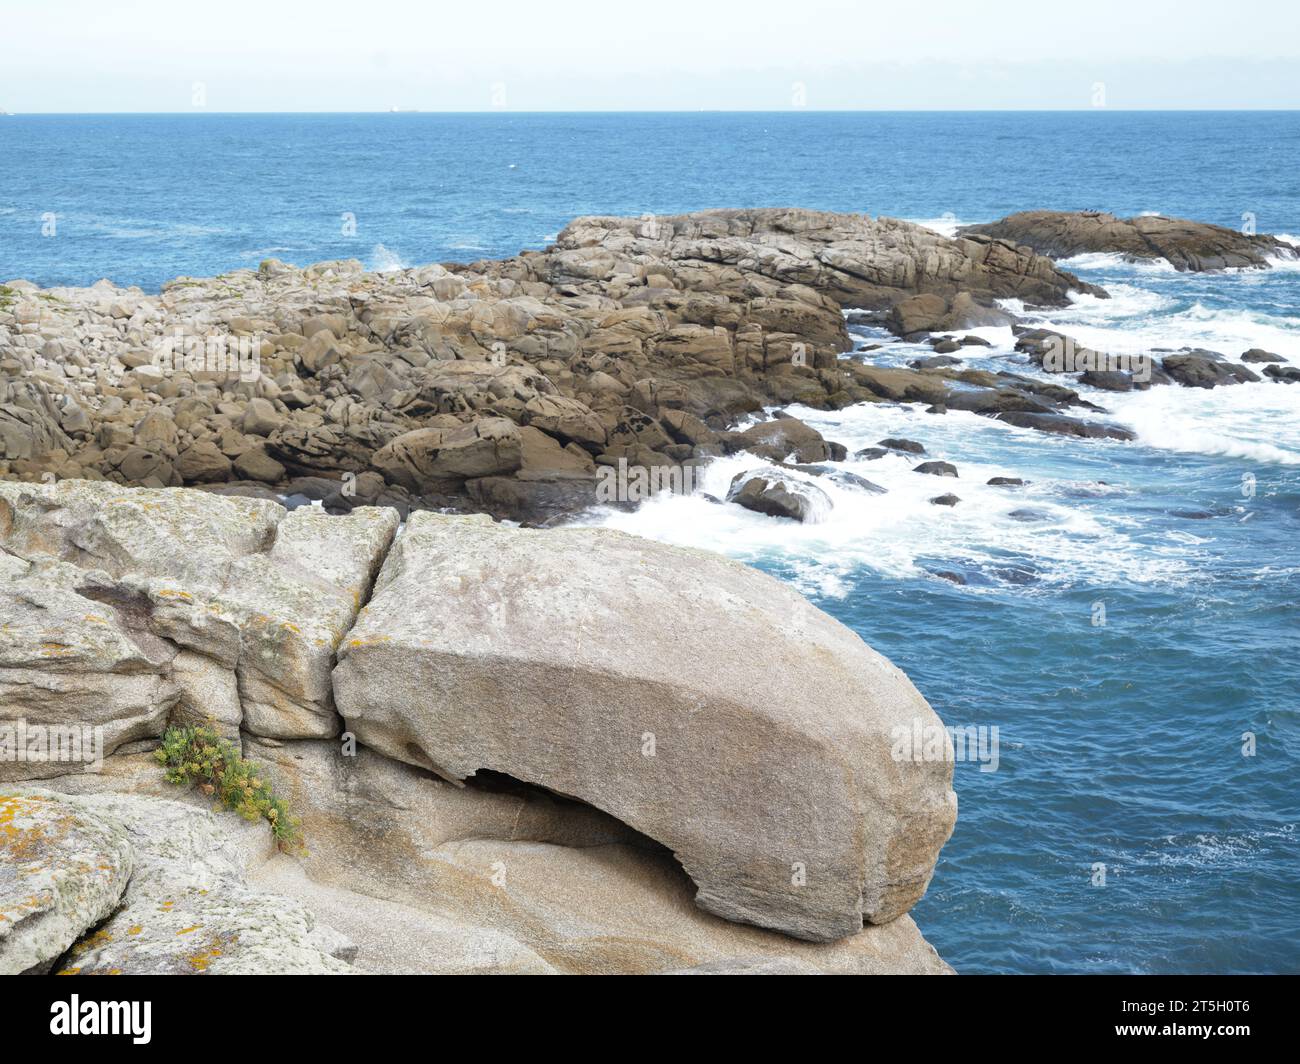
(1127, 617)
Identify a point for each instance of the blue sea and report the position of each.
(1128, 619)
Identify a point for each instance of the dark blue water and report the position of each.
(141, 199)
(1121, 744)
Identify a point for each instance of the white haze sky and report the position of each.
(578, 55)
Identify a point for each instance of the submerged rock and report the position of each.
(1061, 425)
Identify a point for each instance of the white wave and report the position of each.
(384, 261)
(902, 534)
(945, 225)
(1256, 422)
(1111, 260)
(1136, 320)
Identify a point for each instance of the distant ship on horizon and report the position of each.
(403, 110)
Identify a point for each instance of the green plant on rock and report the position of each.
(198, 756)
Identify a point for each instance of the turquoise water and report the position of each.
(1120, 743)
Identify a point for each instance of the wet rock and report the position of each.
(1108, 380)
(763, 494)
(1204, 370)
(897, 443)
(937, 469)
(1061, 425)
(1006, 482)
(945, 500)
(784, 438)
(840, 476)
(1284, 374)
(1256, 355)
(934, 362)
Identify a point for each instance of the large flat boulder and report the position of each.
(702, 703)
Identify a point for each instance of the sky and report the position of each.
(674, 55)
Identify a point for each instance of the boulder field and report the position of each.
(498, 387)
(512, 750)
(512, 387)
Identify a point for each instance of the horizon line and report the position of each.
(405, 111)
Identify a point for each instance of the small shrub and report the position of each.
(200, 757)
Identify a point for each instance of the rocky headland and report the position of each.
(502, 387)
(496, 387)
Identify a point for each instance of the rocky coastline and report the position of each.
(513, 747)
(505, 387)
(520, 750)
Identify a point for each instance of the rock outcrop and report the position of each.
(613, 703)
(61, 872)
(168, 879)
(1186, 245)
(689, 739)
(491, 387)
(515, 879)
(124, 604)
